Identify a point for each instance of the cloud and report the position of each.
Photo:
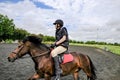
(85, 19)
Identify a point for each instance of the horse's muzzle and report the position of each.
(11, 59)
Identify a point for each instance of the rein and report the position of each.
(40, 54)
(35, 56)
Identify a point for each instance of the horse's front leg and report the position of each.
(76, 76)
(34, 77)
(47, 77)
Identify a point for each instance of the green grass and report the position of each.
(111, 48)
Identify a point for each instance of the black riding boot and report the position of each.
(58, 70)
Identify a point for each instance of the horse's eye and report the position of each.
(19, 46)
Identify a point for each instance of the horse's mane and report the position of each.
(35, 40)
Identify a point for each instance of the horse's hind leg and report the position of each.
(47, 77)
(88, 78)
(76, 76)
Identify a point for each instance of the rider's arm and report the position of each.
(61, 40)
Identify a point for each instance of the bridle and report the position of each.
(16, 53)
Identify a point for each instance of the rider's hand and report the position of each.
(53, 45)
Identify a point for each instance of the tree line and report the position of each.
(8, 31)
(94, 42)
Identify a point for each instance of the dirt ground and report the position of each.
(107, 64)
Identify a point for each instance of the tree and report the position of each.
(40, 35)
(6, 27)
(48, 38)
(19, 34)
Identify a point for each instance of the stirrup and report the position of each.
(57, 77)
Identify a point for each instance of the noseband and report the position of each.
(16, 51)
(42, 54)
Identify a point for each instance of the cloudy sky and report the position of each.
(85, 20)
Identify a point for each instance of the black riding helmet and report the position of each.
(59, 21)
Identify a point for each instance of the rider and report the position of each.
(60, 45)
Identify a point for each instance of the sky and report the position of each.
(85, 20)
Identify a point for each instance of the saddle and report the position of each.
(65, 57)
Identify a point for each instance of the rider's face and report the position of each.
(57, 26)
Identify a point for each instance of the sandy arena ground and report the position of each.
(107, 64)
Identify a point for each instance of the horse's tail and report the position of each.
(93, 69)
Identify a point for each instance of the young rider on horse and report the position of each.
(60, 45)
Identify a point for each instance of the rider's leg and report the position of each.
(58, 50)
(55, 53)
(58, 70)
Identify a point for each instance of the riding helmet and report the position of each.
(59, 21)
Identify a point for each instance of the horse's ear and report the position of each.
(28, 43)
(20, 42)
(40, 40)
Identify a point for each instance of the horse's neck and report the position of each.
(39, 50)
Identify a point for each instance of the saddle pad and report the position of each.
(67, 58)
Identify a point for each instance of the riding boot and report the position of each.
(58, 70)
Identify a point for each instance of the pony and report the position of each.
(44, 65)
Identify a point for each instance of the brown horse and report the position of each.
(44, 65)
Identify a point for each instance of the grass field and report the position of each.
(111, 48)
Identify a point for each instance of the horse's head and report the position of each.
(24, 47)
(21, 50)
